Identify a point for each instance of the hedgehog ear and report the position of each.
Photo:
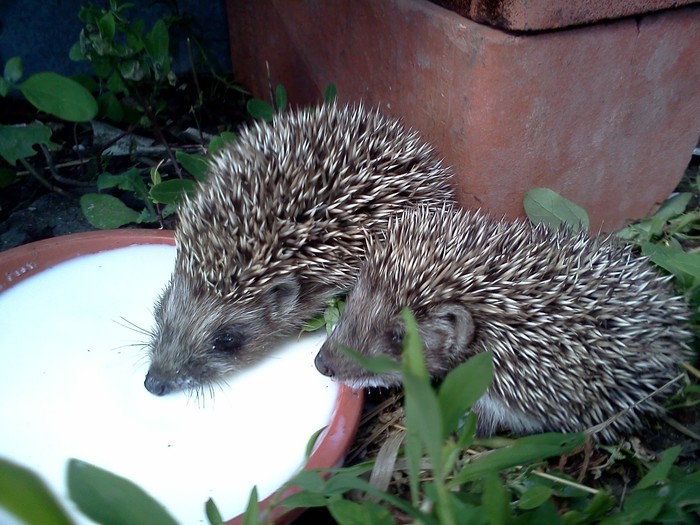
(282, 295)
(458, 323)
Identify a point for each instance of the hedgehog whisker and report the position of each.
(134, 327)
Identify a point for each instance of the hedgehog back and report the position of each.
(298, 194)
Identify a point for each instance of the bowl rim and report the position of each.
(25, 261)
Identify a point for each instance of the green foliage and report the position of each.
(196, 165)
(543, 205)
(329, 317)
(17, 142)
(130, 63)
(660, 236)
(26, 497)
(59, 96)
(112, 500)
(213, 514)
(54, 94)
(262, 110)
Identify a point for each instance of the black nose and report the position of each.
(322, 367)
(156, 386)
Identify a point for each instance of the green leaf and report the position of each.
(112, 500)
(157, 41)
(305, 500)
(172, 191)
(347, 512)
(107, 26)
(24, 495)
(413, 347)
(123, 181)
(329, 94)
(311, 443)
(106, 212)
(496, 501)
(260, 109)
(423, 417)
(76, 53)
(59, 96)
(638, 507)
(523, 450)
(535, 496)
(673, 206)
(16, 142)
(252, 510)
(685, 266)
(308, 480)
(313, 324)
(110, 107)
(379, 364)
(213, 514)
(462, 387)
(13, 70)
(280, 98)
(196, 165)
(116, 85)
(221, 140)
(659, 473)
(543, 205)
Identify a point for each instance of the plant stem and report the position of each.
(42, 179)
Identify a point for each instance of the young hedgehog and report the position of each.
(580, 329)
(277, 228)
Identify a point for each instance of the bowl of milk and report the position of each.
(74, 317)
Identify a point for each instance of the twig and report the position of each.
(42, 179)
(562, 481)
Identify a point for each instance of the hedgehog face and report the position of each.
(199, 338)
(371, 324)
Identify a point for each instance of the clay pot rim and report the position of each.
(22, 262)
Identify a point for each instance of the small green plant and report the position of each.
(262, 110)
(54, 94)
(132, 66)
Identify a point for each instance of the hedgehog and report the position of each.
(277, 229)
(580, 329)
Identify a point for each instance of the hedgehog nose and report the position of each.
(322, 367)
(156, 386)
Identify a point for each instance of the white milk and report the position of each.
(71, 386)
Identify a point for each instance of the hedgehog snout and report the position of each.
(158, 385)
(322, 366)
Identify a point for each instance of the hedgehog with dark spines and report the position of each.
(580, 329)
(277, 228)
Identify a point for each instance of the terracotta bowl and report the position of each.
(20, 263)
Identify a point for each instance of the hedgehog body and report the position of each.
(277, 228)
(580, 329)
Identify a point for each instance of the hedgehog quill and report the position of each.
(580, 328)
(277, 228)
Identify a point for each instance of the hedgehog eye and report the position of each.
(227, 341)
(396, 337)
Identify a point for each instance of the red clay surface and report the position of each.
(606, 114)
(538, 15)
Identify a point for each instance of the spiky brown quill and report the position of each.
(580, 328)
(277, 228)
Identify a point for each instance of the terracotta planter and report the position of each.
(606, 114)
(25, 261)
